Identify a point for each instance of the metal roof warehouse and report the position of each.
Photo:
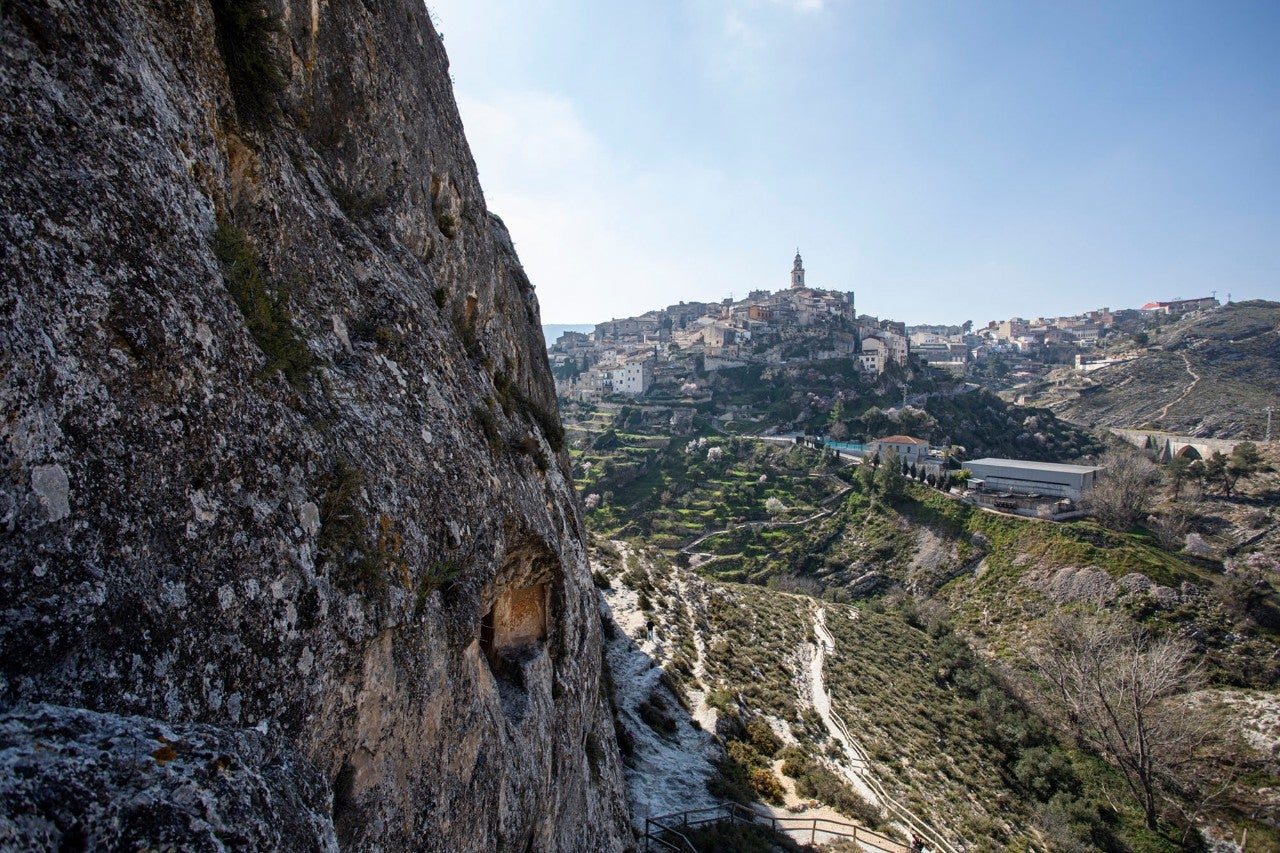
(1025, 477)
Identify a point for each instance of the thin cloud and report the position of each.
(800, 5)
(529, 140)
(596, 235)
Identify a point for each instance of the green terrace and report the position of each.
(675, 494)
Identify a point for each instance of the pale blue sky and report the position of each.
(946, 160)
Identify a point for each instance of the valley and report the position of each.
(788, 589)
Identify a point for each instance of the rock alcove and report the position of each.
(518, 624)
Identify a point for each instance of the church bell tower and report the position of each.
(797, 272)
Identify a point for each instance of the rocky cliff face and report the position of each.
(280, 449)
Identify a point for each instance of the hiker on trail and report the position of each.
(917, 846)
(648, 626)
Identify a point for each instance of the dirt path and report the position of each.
(1195, 377)
(856, 766)
(855, 762)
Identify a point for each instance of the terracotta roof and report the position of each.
(901, 439)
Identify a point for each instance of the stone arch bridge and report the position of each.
(1166, 445)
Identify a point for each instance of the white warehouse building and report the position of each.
(1020, 477)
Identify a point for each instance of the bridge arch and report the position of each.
(1189, 451)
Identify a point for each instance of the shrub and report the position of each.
(344, 534)
(1043, 773)
(438, 575)
(356, 204)
(265, 313)
(766, 786)
(488, 425)
(626, 743)
(730, 782)
(745, 755)
(763, 738)
(727, 836)
(1073, 825)
(720, 699)
(794, 762)
(823, 785)
(549, 423)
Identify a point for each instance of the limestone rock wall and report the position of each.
(278, 425)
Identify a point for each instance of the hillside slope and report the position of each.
(290, 556)
(1211, 374)
(944, 604)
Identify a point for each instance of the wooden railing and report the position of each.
(897, 809)
(669, 832)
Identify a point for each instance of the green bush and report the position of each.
(821, 784)
(344, 534)
(1074, 825)
(1044, 773)
(720, 699)
(745, 754)
(762, 738)
(730, 782)
(265, 313)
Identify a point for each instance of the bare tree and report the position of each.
(1124, 491)
(1171, 524)
(1116, 687)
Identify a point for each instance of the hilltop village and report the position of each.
(665, 347)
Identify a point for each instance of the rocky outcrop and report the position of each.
(280, 443)
(75, 779)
